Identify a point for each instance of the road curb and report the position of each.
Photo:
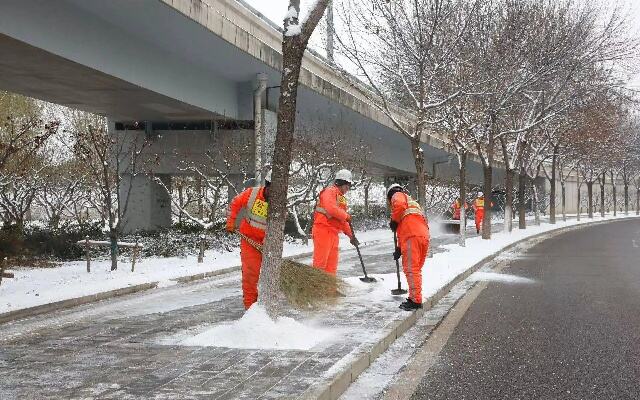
(69, 303)
(92, 298)
(335, 386)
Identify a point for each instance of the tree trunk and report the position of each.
(486, 223)
(508, 203)
(293, 47)
(602, 194)
(626, 198)
(535, 203)
(330, 33)
(522, 210)
(564, 201)
(552, 194)
(113, 239)
(366, 199)
(638, 202)
(463, 198)
(578, 208)
(615, 195)
(488, 183)
(181, 202)
(199, 190)
(418, 157)
(590, 197)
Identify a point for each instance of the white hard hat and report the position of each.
(480, 194)
(267, 177)
(392, 187)
(344, 175)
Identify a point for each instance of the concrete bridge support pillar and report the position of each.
(146, 203)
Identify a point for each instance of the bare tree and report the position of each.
(106, 158)
(296, 37)
(402, 50)
(59, 193)
(23, 134)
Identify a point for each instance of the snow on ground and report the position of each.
(36, 286)
(32, 287)
(256, 330)
(444, 267)
(498, 277)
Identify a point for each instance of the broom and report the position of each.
(304, 286)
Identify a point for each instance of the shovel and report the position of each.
(366, 278)
(399, 290)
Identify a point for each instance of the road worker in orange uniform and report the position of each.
(410, 224)
(249, 211)
(456, 206)
(478, 207)
(329, 219)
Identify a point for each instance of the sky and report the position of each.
(276, 9)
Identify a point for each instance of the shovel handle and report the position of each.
(353, 234)
(395, 244)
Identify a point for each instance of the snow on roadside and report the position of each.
(255, 330)
(498, 277)
(36, 286)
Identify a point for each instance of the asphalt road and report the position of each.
(573, 333)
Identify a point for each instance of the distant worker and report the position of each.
(251, 208)
(455, 211)
(456, 206)
(478, 207)
(329, 219)
(412, 229)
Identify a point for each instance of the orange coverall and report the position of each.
(252, 225)
(413, 238)
(329, 219)
(456, 209)
(478, 206)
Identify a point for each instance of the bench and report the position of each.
(90, 243)
(451, 225)
(3, 272)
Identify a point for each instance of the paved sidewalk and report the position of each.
(114, 350)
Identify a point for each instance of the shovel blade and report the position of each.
(397, 292)
(368, 279)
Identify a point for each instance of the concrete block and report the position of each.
(242, 40)
(361, 363)
(320, 392)
(200, 12)
(229, 31)
(376, 350)
(214, 20)
(183, 6)
(390, 338)
(340, 383)
(406, 323)
(427, 304)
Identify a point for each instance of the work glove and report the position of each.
(231, 228)
(397, 253)
(393, 225)
(354, 241)
(348, 219)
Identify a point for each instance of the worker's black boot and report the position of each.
(409, 305)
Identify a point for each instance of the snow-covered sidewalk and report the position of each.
(191, 340)
(37, 286)
(33, 287)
